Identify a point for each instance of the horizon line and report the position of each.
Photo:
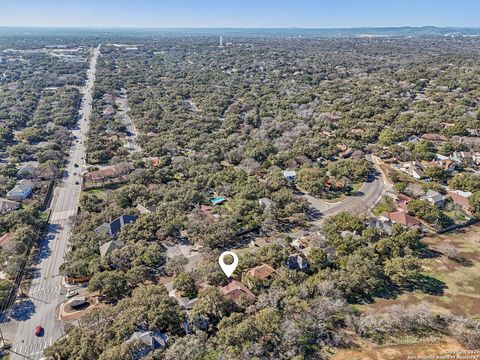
(235, 27)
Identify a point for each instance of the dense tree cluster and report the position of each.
(224, 124)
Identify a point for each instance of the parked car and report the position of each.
(71, 293)
(38, 330)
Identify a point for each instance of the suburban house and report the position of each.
(261, 272)
(151, 340)
(434, 137)
(289, 175)
(297, 262)
(108, 111)
(266, 203)
(110, 172)
(145, 210)
(334, 184)
(402, 218)
(217, 200)
(21, 191)
(28, 170)
(379, 225)
(465, 157)
(184, 302)
(102, 175)
(207, 211)
(114, 227)
(413, 139)
(155, 162)
(347, 152)
(187, 303)
(460, 198)
(260, 242)
(108, 247)
(8, 205)
(447, 165)
(401, 202)
(6, 238)
(434, 197)
(236, 291)
(412, 168)
(301, 243)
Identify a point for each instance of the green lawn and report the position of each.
(353, 189)
(456, 215)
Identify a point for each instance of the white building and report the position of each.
(21, 191)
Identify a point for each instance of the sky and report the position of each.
(239, 13)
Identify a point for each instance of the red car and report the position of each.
(38, 330)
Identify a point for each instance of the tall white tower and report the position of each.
(221, 42)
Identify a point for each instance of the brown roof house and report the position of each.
(401, 202)
(446, 164)
(260, 242)
(110, 172)
(460, 198)
(207, 211)
(344, 150)
(259, 275)
(237, 291)
(402, 218)
(261, 272)
(6, 239)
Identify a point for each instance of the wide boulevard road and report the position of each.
(45, 292)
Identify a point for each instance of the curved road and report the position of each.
(360, 203)
(45, 294)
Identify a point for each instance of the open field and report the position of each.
(399, 352)
(461, 277)
(461, 296)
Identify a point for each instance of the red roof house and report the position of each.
(236, 290)
(402, 218)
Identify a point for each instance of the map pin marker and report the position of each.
(228, 269)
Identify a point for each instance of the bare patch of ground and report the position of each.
(399, 352)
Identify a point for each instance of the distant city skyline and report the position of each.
(240, 13)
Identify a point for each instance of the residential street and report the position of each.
(131, 138)
(359, 203)
(40, 308)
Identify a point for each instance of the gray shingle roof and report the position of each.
(116, 225)
(108, 247)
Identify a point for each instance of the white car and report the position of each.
(71, 293)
